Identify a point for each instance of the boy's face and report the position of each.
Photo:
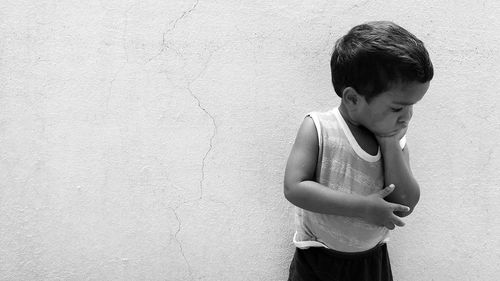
(391, 111)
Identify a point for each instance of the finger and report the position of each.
(387, 190)
(401, 208)
(397, 221)
(390, 225)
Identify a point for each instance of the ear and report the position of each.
(350, 97)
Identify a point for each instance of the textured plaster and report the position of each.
(146, 140)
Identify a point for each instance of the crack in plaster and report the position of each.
(214, 132)
(203, 161)
(179, 225)
(184, 14)
(174, 25)
(188, 88)
(214, 128)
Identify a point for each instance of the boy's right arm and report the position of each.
(301, 189)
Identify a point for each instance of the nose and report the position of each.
(406, 114)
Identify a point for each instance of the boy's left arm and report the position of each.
(397, 171)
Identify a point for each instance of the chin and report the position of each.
(389, 133)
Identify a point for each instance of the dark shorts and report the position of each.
(321, 264)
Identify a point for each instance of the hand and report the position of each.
(394, 138)
(381, 212)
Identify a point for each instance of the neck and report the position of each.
(347, 116)
(350, 120)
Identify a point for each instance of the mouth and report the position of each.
(397, 130)
(402, 127)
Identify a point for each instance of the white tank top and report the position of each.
(343, 166)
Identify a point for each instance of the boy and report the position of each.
(342, 159)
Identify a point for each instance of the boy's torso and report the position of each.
(343, 166)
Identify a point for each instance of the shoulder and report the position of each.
(302, 161)
(315, 125)
(308, 132)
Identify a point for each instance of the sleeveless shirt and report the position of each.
(343, 166)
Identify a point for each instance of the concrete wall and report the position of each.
(146, 140)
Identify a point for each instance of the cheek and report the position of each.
(386, 121)
(381, 118)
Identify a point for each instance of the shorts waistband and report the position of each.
(347, 255)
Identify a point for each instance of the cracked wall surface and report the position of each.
(146, 140)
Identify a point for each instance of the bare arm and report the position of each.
(301, 189)
(397, 171)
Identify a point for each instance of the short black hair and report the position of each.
(374, 56)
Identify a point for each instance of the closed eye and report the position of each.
(396, 109)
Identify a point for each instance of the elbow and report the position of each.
(288, 192)
(411, 202)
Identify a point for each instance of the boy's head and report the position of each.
(376, 56)
(380, 70)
